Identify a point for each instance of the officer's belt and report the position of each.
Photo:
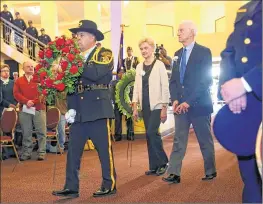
(81, 88)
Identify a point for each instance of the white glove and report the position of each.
(70, 116)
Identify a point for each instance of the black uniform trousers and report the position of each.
(152, 121)
(118, 122)
(99, 132)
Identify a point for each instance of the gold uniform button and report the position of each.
(98, 98)
(247, 41)
(81, 97)
(244, 59)
(182, 86)
(249, 23)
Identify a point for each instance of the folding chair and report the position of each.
(8, 124)
(53, 118)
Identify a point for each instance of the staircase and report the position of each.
(11, 43)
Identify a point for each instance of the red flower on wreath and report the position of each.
(60, 42)
(65, 49)
(60, 76)
(41, 54)
(71, 57)
(44, 92)
(49, 83)
(43, 75)
(60, 87)
(73, 69)
(64, 65)
(49, 53)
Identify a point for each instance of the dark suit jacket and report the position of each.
(95, 104)
(197, 81)
(7, 95)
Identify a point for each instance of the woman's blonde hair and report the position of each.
(147, 40)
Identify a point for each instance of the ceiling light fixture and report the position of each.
(35, 9)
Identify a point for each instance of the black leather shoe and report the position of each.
(66, 193)
(118, 138)
(209, 177)
(150, 172)
(161, 170)
(172, 178)
(104, 192)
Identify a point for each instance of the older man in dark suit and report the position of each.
(192, 104)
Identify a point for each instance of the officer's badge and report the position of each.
(80, 23)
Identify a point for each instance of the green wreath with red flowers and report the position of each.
(64, 55)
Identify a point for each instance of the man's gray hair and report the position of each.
(190, 24)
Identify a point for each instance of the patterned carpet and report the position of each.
(32, 181)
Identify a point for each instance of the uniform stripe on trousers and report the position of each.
(111, 156)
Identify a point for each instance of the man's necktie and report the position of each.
(183, 66)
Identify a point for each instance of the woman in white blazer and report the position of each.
(151, 94)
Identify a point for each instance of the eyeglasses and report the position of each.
(5, 71)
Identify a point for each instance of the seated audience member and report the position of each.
(8, 100)
(32, 111)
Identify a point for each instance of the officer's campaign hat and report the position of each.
(90, 27)
(30, 21)
(237, 132)
(17, 13)
(5, 6)
(42, 29)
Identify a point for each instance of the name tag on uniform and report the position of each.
(242, 11)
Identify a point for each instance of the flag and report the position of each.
(120, 58)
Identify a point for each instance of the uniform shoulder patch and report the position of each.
(105, 55)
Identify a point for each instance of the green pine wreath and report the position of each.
(123, 91)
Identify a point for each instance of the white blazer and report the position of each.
(158, 86)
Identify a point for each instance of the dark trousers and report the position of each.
(156, 153)
(252, 192)
(6, 34)
(202, 128)
(118, 122)
(99, 132)
(31, 46)
(19, 40)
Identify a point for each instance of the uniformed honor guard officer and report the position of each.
(19, 39)
(93, 109)
(31, 46)
(44, 38)
(7, 15)
(242, 63)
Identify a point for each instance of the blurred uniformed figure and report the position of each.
(241, 66)
(130, 61)
(93, 109)
(44, 38)
(7, 15)
(19, 39)
(31, 44)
